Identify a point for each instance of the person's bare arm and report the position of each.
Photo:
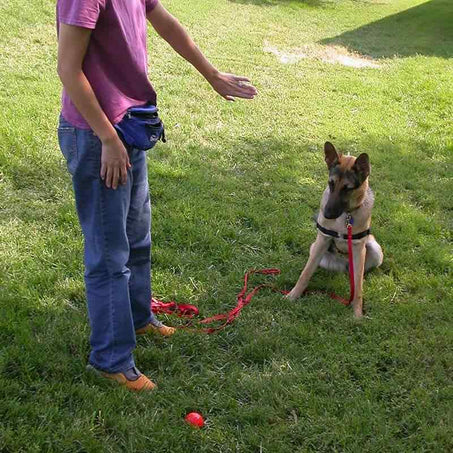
(72, 45)
(168, 27)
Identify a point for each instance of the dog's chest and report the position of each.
(341, 245)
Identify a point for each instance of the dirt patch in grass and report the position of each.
(327, 54)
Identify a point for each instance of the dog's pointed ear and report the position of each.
(331, 155)
(362, 167)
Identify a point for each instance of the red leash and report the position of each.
(189, 311)
(243, 298)
(351, 262)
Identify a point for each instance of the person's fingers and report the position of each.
(247, 96)
(244, 82)
(247, 89)
(241, 93)
(238, 88)
(103, 171)
(244, 96)
(241, 78)
(108, 177)
(123, 175)
(115, 177)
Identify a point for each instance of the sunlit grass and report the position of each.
(234, 188)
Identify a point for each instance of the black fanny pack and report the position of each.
(141, 127)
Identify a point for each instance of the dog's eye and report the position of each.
(346, 189)
(331, 185)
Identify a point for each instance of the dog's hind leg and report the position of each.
(374, 255)
(333, 261)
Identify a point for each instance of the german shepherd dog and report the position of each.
(348, 198)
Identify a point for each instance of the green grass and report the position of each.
(235, 188)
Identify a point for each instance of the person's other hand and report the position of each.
(114, 162)
(230, 86)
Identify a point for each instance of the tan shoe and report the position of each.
(132, 379)
(165, 331)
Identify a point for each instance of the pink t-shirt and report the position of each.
(116, 62)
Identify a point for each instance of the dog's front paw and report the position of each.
(292, 295)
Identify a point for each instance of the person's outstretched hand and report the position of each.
(230, 86)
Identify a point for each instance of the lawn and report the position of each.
(235, 188)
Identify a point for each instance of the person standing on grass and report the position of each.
(102, 63)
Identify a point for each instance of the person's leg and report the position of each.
(102, 213)
(139, 235)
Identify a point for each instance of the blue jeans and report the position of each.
(116, 227)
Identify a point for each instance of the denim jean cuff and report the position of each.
(130, 363)
(153, 321)
(156, 323)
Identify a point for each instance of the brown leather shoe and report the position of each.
(165, 331)
(132, 379)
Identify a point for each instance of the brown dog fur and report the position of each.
(348, 192)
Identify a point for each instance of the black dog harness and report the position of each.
(337, 235)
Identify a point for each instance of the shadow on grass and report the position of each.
(213, 219)
(254, 210)
(426, 29)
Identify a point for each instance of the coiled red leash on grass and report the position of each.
(243, 298)
(189, 311)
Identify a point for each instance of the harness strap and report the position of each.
(337, 235)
